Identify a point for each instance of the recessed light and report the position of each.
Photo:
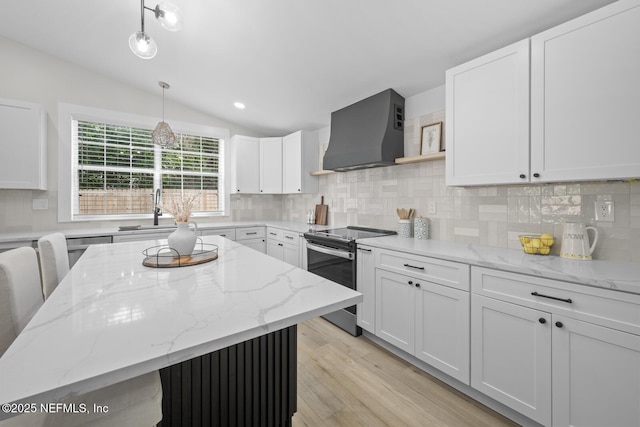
(239, 105)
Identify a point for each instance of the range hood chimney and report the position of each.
(367, 134)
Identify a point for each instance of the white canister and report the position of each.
(421, 228)
(405, 228)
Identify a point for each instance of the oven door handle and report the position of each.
(330, 251)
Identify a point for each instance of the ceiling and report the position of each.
(292, 62)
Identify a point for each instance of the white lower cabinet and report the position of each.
(596, 375)
(511, 356)
(395, 309)
(253, 237)
(425, 319)
(559, 353)
(284, 245)
(442, 329)
(228, 233)
(366, 284)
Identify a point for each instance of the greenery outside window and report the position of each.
(116, 169)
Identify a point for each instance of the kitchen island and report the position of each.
(112, 318)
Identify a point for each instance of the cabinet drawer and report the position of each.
(229, 233)
(446, 273)
(618, 310)
(274, 234)
(290, 237)
(250, 233)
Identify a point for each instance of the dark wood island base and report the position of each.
(248, 384)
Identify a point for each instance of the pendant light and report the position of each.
(163, 135)
(140, 43)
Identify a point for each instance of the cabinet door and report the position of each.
(271, 165)
(511, 356)
(257, 244)
(291, 254)
(24, 129)
(487, 124)
(292, 163)
(584, 93)
(275, 249)
(247, 164)
(596, 375)
(395, 309)
(442, 329)
(366, 284)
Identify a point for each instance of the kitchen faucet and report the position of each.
(156, 208)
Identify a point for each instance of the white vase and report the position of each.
(183, 240)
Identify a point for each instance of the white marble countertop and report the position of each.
(112, 318)
(618, 276)
(30, 236)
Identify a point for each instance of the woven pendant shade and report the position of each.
(164, 136)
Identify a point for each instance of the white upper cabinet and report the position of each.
(487, 126)
(275, 165)
(585, 96)
(299, 158)
(271, 165)
(246, 161)
(23, 164)
(582, 105)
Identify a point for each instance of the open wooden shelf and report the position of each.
(421, 158)
(399, 161)
(322, 172)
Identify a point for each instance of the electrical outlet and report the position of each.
(431, 207)
(604, 211)
(40, 204)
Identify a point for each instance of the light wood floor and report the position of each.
(348, 381)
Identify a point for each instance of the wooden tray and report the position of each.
(165, 257)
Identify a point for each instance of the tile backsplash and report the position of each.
(493, 215)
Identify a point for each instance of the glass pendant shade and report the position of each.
(169, 16)
(164, 136)
(142, 45)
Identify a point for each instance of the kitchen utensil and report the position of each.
(575, 241)
(321, 212)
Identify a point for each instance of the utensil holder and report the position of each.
(405, 228)
(421, 228)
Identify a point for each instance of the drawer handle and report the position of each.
(364, 250)
(274, 234)
(253, 232)
(567, 300)
(288, 237)
(413, 266)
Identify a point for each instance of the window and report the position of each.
(115, 169)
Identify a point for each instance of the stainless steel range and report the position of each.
(332, 255)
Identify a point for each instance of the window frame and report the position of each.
(67, 157)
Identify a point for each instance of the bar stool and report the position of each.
(134, 402)
(54, 261)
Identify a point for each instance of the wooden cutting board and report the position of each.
(321, 212)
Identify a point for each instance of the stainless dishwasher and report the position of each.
(77, 245)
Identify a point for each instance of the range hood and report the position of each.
(367, 134)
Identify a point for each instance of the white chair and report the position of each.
(54, 261)
(134, 402)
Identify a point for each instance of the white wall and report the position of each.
(30, 75)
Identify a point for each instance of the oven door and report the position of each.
(334, 264)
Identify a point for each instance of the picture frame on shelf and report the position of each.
(431, 139)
